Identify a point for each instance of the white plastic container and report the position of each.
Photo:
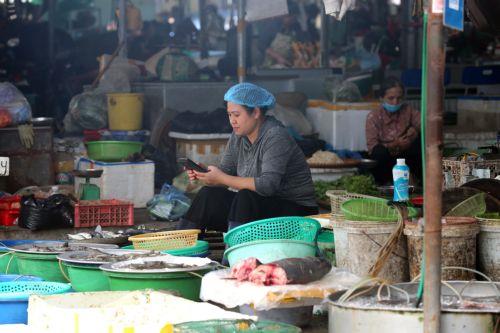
(141, 311)
(201, 148)
(133, 182)
(342, 125)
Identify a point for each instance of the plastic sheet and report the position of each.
(12, 100)
(86, 111)
(217, 288)
(54, 212)
(171, 204)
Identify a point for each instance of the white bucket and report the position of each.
(489, 248)
(357, 245)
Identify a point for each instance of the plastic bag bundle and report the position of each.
(13, 101)
(87, 111)
(54, 212)
(171, 204)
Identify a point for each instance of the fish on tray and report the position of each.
(281, 272)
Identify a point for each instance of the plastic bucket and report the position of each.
(488, 248)
(8, 263)
(357, 245)
(458, 247)
(125, 111)
(185, 283)
(46, 266)
(14, 298)
(87, 278)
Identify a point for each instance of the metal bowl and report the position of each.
(42, 121)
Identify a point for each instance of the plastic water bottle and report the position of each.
(401, 177)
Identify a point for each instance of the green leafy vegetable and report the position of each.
(360, 184)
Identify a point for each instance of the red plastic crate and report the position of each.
(106, 213)
(9, 209)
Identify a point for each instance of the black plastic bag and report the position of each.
(54, 212)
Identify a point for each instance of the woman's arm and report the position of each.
(216, 177)
(372, 131)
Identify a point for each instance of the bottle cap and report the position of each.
(401, 161)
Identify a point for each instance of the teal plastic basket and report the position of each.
(270, 250)
(234, 326)
(289, 227)
(376, 210)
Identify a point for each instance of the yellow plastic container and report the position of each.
(125, 112)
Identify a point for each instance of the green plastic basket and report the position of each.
(186, 284)
(372, 210)
(270, 250)
(46, 266)
(289, 227)
(200, 249)
(87, 278)
(473, 206)
(112, 151)
(489, 217)
(234, 326)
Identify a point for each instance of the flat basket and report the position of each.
(376, 210)
(338, 197)
(289, 227)
(473, 206)
(166, 240)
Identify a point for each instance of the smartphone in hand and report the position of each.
(191, 165)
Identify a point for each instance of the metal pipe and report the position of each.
(241, 39)
(203, 30)
(324, 38)
(122, 27)
(433, 172)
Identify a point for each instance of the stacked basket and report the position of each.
(273, 239)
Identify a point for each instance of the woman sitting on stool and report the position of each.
(262, 164)
(392, 132)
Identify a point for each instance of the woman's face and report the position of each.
(241, 121)
(393, 96)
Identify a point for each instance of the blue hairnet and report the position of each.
(251, 95)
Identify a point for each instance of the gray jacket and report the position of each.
(274, 160)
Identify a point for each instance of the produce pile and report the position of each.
(360, 184)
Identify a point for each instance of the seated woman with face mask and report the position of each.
(392, 132)
(262, 173)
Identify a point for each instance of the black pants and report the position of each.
(385, 162)
(214, 208)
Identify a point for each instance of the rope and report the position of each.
(62, 271)
(392, 241)
(10, 260)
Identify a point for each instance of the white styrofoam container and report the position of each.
(133, 182)
(142, 311)
(342, 129)
(201, 148)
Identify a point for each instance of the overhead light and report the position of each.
(395, 2)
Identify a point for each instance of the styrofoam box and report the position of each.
(201, 148)
(141, 311)
(133, 182)
(344, 129)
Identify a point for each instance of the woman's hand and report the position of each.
(191, 174)
(213, 177)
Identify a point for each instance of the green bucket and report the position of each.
(326, 245)
(87, 277)
(186, 284)
(200, 249)
(7, 257)
(46, 266)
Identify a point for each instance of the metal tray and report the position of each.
(115, 267)
(24, 248)
(77, 257)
